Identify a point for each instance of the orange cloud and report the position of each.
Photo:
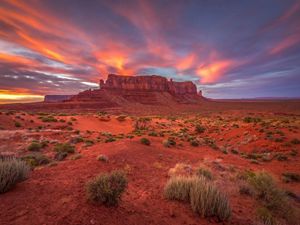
(212, 72)
(285, 44)
(186, 63)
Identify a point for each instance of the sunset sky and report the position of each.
(230, 49)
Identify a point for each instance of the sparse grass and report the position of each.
(60, 156)
(12, 171)
(76, 156)
(64, 147)
(194, 142)
(34, 146)
(252, 119)
(145, 141)
(107, 188)
(204, 197)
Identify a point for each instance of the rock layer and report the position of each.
(148, 83)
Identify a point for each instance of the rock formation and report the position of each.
(121, 90)
(148, 83)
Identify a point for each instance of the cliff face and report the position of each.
(147, 90)
(148, 83)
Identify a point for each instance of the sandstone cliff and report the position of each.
(148, 83)
(120, 91)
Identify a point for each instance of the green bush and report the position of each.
(142, 123)
(102, 158)
(64, 147)
(48, 119)
(204, 197)
(107, 188)
(12, 171)
(145, 141)
(60, 156)
(194, 143)
(121, 118)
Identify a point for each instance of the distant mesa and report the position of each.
(120, 91)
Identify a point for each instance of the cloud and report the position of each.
(54, 47)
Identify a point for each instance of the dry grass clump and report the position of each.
(271, 198)
(12, 171)
(142, 123)
(178, 188)
(204, 197)
(107, 188)
(121, 118)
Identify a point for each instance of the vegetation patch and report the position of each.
(107, 188)
(145, 141)
(12, 171)
(204, 197)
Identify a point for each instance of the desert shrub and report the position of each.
(169, 142)
(281, 157)
(142, 123)
(265, 216)
(64, 147)
(194, 142)
(178, 188)
(107, 188)
(12, 171)
(207, 200)
(18, 124)
(204, 172)
(291, 177)
(267, 191)
(252, 120)
(121, 118)
(102, 158)
(204, 197)
(145, 141)
(234, 151)
(35, 159)
(295, 141)
(59, 156)
(76, 140)
(34, 146)
(89, 143)
(48, 119)
(153, 133)
(199, 129)
(110, 139)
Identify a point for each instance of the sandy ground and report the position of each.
(56, 194)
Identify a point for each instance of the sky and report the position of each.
(229, 49)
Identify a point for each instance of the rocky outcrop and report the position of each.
(148, 83)
(122, 91)
(57, 98)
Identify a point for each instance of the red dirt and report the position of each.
(56, 194)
